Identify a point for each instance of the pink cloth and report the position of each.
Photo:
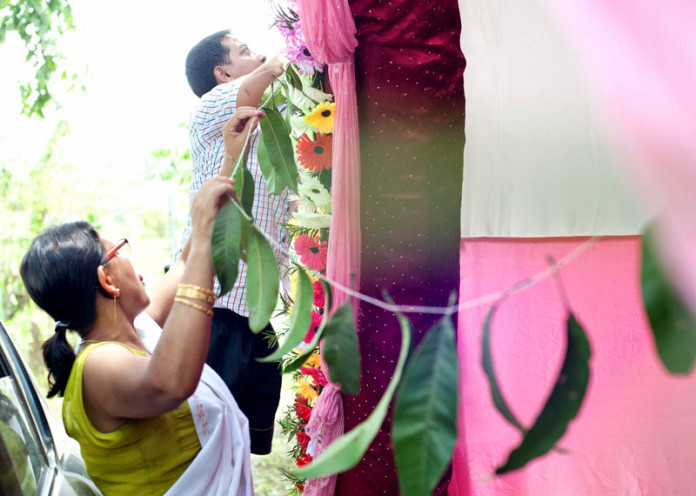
(330, 35)
(642, 57)
(634, 434)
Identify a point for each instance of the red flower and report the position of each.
(302, 410)
(319, 299)
(312, 251)
(300, 487)
(315, 155)
(303, 460)
(317, 317)
(303, 440)
(316, 374)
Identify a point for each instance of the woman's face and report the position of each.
(133, 297)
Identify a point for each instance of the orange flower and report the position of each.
(315, 155)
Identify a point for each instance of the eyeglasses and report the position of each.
(114, 251)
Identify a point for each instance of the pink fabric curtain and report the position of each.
(642, 58)
(634, 434)
(330, 35)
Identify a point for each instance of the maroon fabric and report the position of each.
(411, 108)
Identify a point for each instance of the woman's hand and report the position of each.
(234, 135)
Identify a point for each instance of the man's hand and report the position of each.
(252, 87)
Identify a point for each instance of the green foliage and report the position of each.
(563, 404)
(263, 280)
(225, 241)
(425, 413)
(341, 349)
(672, 323)
(487, 362)
(299, 321)
(39, 24)
(277, 161)
(346, 451)
(244, 186)
(296, 362)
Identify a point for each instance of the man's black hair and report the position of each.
(202, 60)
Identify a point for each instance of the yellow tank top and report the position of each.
(142, 457)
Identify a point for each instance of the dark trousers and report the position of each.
(254, 385)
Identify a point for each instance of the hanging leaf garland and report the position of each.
(299, 321)
(487, 362)
(298, 361)
(424, 430)
(346, 451)
(563, 404)
(263, 280)
(672, 323)
(275, 136)
(226, 242)
(342, 351)
(244, 186)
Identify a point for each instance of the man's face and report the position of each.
(242, 61)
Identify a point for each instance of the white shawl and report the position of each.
(223, 466)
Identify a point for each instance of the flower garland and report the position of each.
(311, 126)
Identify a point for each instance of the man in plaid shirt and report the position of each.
(225, 74)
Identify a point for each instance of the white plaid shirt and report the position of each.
(270, 212)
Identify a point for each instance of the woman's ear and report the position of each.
(106, 282)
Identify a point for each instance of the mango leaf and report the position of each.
(225, 245)
(672, 323)
(274, 183)
(293, 77)
(341, 350)
(562, 405)
(244, 186)
(299, 321)
(346, 451)
(263, 280)
(487, 362)
(275, 135)
(425, 414)
(298, 361)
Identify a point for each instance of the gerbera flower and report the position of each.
(312, 189)
(322, 117)
(317, 317)
(315, 155)
(319, 299)
(314, 360)
(300, 56)
(305, 389)
(302, 409)
(316, 374)
(312, 252)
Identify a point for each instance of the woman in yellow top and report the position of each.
(149, 421)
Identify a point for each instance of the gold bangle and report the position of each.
(199, 288)
(198, 307)
(195, 294)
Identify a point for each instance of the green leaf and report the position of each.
(274, 183)
(341, 350)
(346, 451)
(299, 321)
(297, 362)
(244, 185)
(293, 77)
(562, 405)
(425, 414)
(276, 137)
(672, 323)
(225, 243)
(487, 362)
(263, 280)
